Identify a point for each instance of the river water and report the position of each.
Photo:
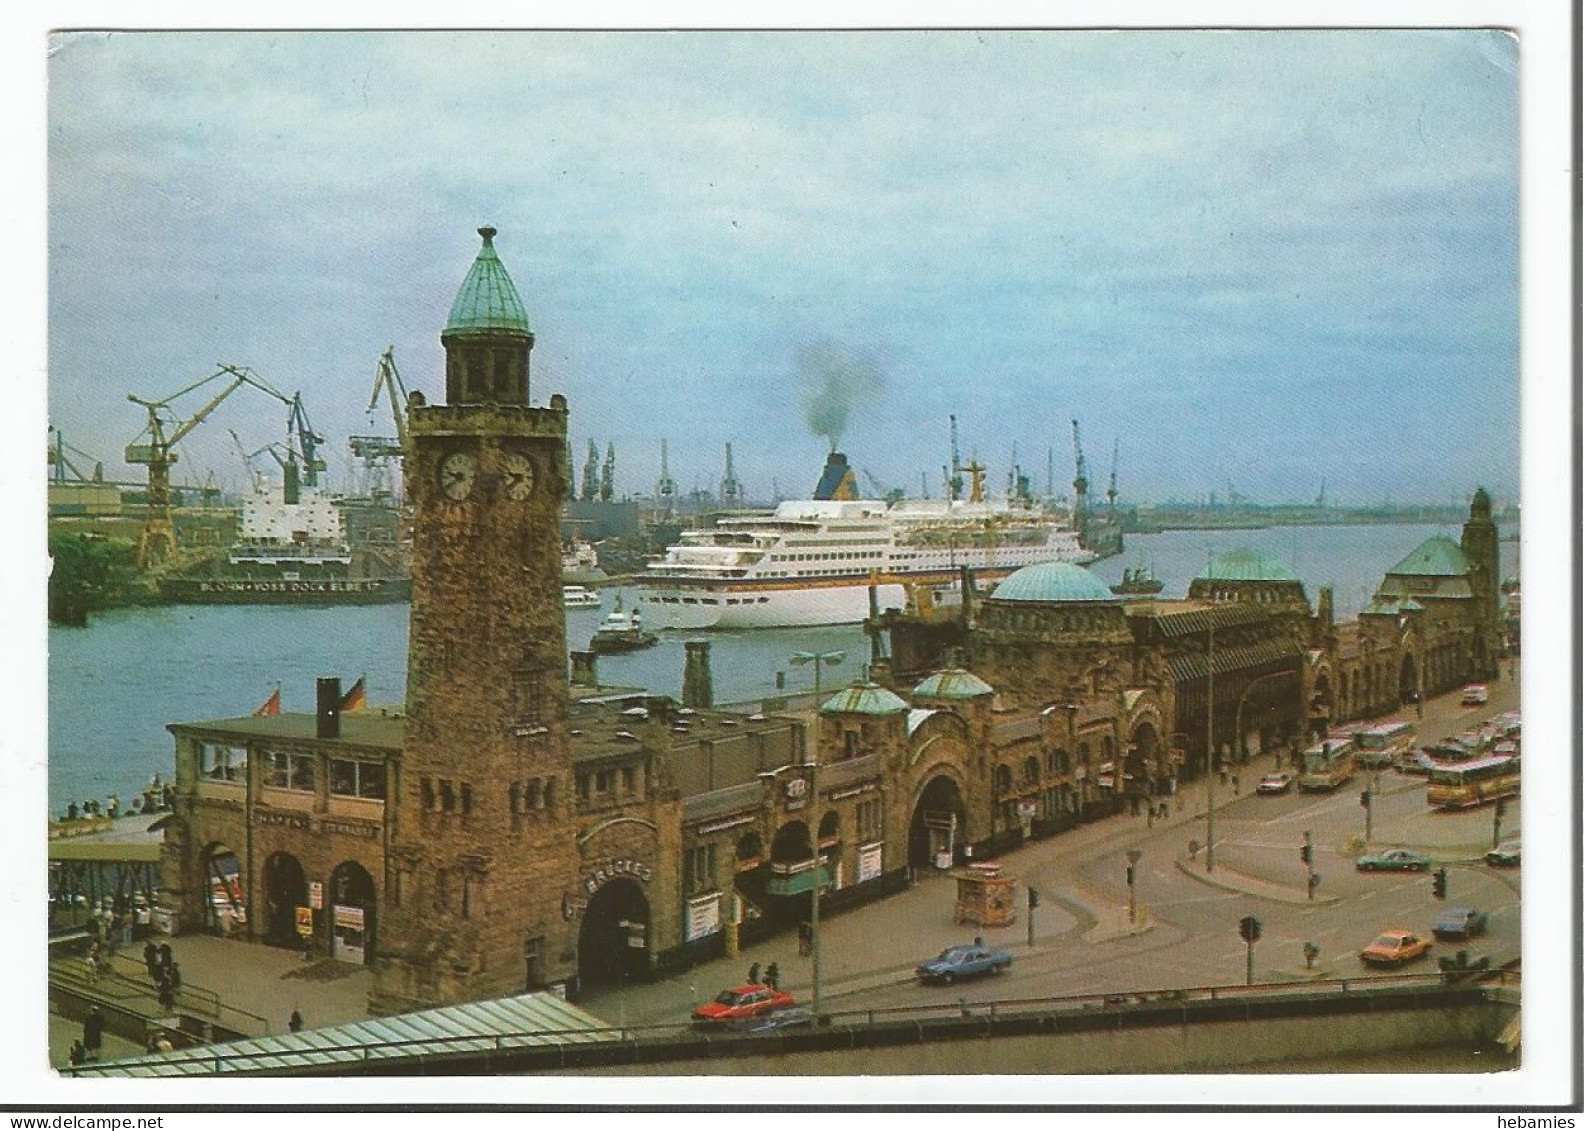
(115, 685)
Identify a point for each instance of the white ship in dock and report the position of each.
(812, 561)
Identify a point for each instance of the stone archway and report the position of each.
(938, 826)
(352, 910)
(224, 900)
(285, 890)
(613, 940)
(1407, 681)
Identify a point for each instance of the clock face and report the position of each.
(457, 472)
(518, 473)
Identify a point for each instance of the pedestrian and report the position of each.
(165, 958)
(71, 811)
(167, 993)
(174, 973)
(93, 1033)
(296, 1022)
(115, 806)
(78, 1053)
(91, 961)
(151, 960)
(1235, 783)
(772, 976)
(753, 974)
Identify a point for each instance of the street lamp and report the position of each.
(1133, 857)
(817, 659)
(818, 861)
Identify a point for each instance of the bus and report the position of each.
(1473, 783)
(1327, 765)
(1383, 745)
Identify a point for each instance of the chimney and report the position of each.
(698, 691)
(1326, 611)
(329, 725)
(584, 672)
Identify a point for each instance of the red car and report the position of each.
(744, 1001)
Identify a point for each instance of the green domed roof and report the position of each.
(488, 300)
(1244, 564)
(1434, 557)
(864, 699)
(1053, 581)
(954, 683)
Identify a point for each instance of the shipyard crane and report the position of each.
(591, 473)
(388, 379)
(666, 488)
(891, 495)
(607, 488)
(60, 463)
(731, 488)
(1111, 491)
(1080, 482)
(954, 481)
(158, 538)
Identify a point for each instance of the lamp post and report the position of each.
(1243, 698)
(818, 659)
(1133, 857)
(1210, 756)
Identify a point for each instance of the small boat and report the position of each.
(1138, 582)
(621, 632)
(579, 597)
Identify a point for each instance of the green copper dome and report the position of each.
(953, 683)
(1244, 564)
(864, 699)
(488, 301)
(1053, 582)
(1434, 557)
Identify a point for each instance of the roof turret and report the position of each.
(487, 301)
(1434, 557)
(1246, 564)
(953, 683)
(864, 699)
(1053, 582)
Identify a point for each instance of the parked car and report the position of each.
(1394, 860)
(744, 1001)
(1416, 762)
(793, 1017)
(957, 962)
(1460, 923)
(1275, 783)
(1476, 695)
(1507, 854)
(1394, 947)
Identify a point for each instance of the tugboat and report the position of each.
(579, 597)
(621, 632)
(1138, 582)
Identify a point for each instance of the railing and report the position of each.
(838, 1028)
(125, 981)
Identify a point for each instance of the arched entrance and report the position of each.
(225, 903)
(939, 825)
(1407, 681)
(613, 942)
(285, 890)
(351, 908)
(1140, 765)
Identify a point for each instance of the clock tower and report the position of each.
(479, 819)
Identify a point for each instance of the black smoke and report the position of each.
(834, 381)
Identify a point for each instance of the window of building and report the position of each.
(549, 793)
(427, 791)
(466, 791)
(469, 894)
(349, 778)
(851, 741)
(441, 890)
(527, 697)
(222, 763)
(582, 782)
(1003, 779)
(869, 821)
(447, 796)
(699, 869)
(289, 771)
(629, 776)
(602, 781)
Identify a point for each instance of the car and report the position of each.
(1394, 947)
(1393, 860)
(744, 1001)
(1507, 854)
(1460, 923)
(957, 962)
(1476, 695)
(792, 1017)
(1274, 783)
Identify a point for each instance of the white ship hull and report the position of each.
(701, 608)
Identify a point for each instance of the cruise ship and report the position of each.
(811, 561)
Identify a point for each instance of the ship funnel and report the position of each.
(837, 481)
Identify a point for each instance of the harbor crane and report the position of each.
(591, 474)
(607, 489)
(731, 488)
(158, 538)
(889, 494)
(1080, 482)
(60, 462)
(1111, 491)
(666, 488)
(377, 452)
(954, 481)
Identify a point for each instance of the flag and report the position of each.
(355, 699)
(271, 706)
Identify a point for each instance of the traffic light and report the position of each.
(1364, 799)
(1306, 853)
(1033, 899)
(1314, 880)
(1130, 875)
(1249, 928)
(1501, 808)
(1438, 883)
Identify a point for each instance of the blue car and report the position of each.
(957, 962)
(1460, 923)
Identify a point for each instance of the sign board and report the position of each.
(347, 916)
(703, 916)
(305, 922)
(1027, 809)
(871, 861)
(316, 895)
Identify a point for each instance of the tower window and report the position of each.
(467, 798)
(582, 787)
(549, 793)
(527, 696)
(447, 796)
(427, 791)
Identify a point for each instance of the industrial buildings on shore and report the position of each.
(503, 830)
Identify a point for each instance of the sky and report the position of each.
(1242, 260)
